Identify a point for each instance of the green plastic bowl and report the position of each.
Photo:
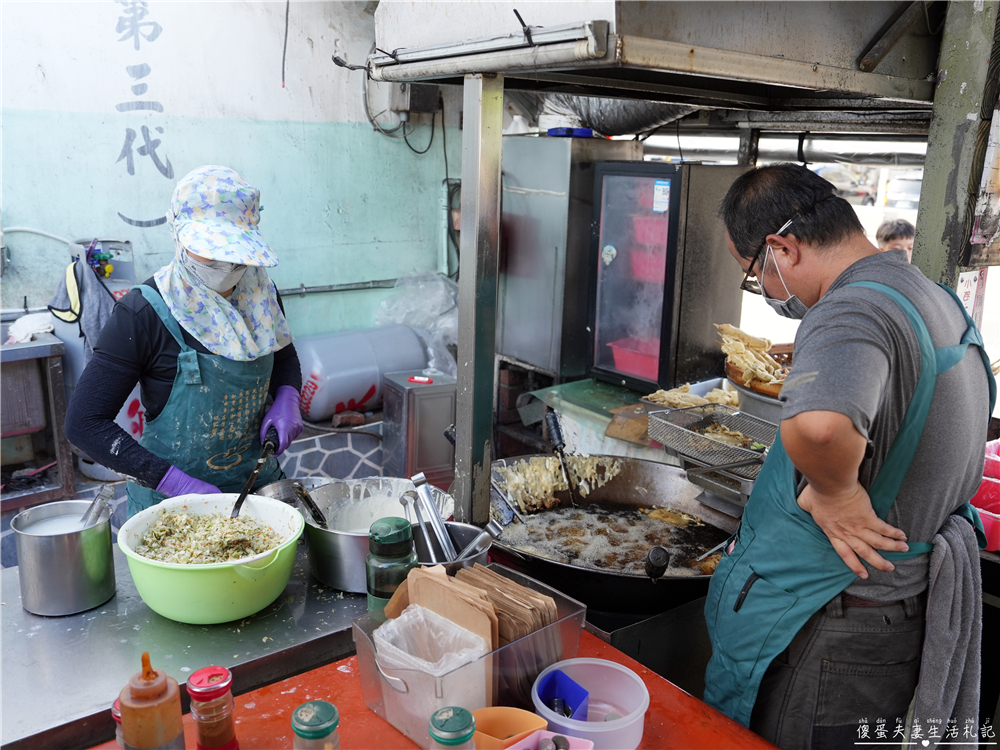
(218, 592)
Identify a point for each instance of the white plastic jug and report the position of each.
(343, 371)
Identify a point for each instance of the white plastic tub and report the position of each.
(613, 689)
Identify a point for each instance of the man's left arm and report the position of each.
(827, 448)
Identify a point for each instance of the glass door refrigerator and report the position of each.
(660, 273)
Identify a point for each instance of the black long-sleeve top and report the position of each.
(135, 346)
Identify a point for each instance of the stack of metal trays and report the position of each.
(710, 462)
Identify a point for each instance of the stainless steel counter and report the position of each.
(60, 675)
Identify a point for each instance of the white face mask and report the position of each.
(217, 275)
(792, 307)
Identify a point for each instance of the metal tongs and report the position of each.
(555, 435)
(96, 509)
(306, 499)
(424, 506)
(270, 446)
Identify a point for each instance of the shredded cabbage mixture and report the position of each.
(532, 483)
(192, 539)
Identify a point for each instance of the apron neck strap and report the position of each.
(885, 488)
(156, 302)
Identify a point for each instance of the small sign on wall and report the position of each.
(972, 292)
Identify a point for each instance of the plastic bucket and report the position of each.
(613, 689)
(218, 592)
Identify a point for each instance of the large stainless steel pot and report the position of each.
(645, 484)
(65, 573)
(337, 554)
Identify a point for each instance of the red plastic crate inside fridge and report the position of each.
(639, 357)
(651, 230)
(647, 265)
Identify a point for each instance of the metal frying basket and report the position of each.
(677, 430)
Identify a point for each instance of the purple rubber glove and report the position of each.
(284, 416)
(175, 482)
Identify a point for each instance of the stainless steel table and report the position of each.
(61, 674)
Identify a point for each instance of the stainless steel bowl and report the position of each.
(63, 573)
(337, 554)
(461, 534)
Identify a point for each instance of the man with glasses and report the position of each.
(817, 609)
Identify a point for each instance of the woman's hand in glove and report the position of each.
(284, 416)
(175, 482)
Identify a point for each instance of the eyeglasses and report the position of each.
(750, 281)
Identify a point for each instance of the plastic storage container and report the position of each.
(613, 689)
(342, 371)
(639, 357)
(648, 265)
(499, 727)
(391, 692)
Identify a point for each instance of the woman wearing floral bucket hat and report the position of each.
(207, 340)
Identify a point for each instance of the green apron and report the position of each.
(210, 425)
(782, 568)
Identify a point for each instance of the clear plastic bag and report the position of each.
(425, 641)
(428, 302)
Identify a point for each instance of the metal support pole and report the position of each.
(477, 294)
(944, 220)
(749, 146)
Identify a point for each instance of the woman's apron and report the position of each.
(782, 568)
(210, 425)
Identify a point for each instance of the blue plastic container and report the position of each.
(557, 684)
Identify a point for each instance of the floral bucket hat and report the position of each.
(214, 213)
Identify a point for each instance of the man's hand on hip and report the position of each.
(852, 527)
(828, 450)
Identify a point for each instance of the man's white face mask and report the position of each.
(792, 307)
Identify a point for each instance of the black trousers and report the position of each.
(847, 676)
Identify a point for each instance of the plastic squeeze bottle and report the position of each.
(151, 710)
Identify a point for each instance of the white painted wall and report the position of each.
(342, 204)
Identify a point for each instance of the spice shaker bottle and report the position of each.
(150, 706)
(390, 558)
(211, 695)
(315, 726)
(452, 728)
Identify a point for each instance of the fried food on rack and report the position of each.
(723, 434)
(681, 397)
(750, 354)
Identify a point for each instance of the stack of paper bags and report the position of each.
(520, 610)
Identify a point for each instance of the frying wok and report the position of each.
(641, 484)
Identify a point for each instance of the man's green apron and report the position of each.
(783, 568)
(210, 425)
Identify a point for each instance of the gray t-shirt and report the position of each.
(856, 354)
